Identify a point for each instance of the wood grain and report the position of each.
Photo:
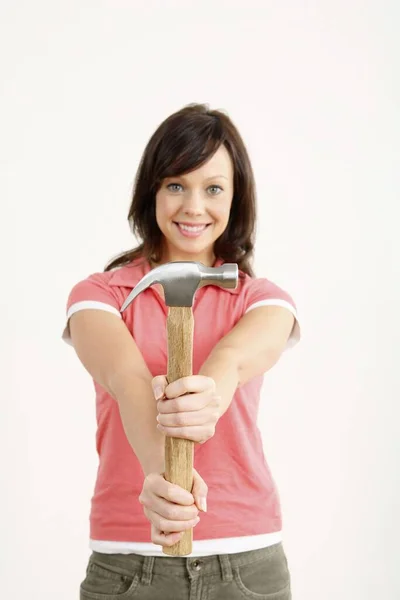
(179, 452)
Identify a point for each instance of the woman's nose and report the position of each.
(193, 203)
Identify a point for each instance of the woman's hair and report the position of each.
(182, 143)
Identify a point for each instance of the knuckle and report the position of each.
(178, 388)
(162, 524)
(180, 420)
(151, 478)
(156, 538)
(170, 493)
(186, 433)
(178, 405)
(169, 391)
(172, 513)
(208, 433)
(147, 514)
(167, 407)
(186, 381)
(168, 542)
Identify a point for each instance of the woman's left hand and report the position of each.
(188, 408)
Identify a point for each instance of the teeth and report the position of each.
(189, 228)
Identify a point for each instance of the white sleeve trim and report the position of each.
(295, 334)
(82, 306)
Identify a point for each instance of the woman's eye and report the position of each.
(171, 185)
(215, 187)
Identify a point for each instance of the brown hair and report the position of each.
(182, 143)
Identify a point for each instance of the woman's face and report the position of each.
(192, 210)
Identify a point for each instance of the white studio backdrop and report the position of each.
(314, 89)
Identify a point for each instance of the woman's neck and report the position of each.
(206, 261)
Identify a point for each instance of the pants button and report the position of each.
(197, 564)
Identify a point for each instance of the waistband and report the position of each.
(221, 565)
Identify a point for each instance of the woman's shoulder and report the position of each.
(248, 282)
(127, 275)
(106, 286)
(254, 289)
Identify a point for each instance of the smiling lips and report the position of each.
(192, 230)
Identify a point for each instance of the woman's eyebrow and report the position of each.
(215, 177)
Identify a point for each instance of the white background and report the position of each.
(314, 89)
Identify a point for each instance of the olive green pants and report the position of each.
(257, 574)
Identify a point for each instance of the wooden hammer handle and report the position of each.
(179, 452)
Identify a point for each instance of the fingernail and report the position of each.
(203, 504)
(158, 393)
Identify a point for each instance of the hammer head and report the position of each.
(180, 281)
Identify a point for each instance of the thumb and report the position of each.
(199, 491)
(159, 384)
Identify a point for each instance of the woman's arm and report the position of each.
(110, 355)
(251, 348)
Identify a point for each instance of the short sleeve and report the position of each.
(92, 292)
(263, 292)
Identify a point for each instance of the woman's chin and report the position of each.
(198, 252)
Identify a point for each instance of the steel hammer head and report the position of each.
(180, 281)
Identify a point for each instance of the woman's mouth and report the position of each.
(191, 231)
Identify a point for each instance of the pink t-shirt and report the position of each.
(242, 498)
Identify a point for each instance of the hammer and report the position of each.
(180, 281)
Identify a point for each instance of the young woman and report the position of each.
(193, 200)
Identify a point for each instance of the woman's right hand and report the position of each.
(170, 509)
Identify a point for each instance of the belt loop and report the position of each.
(226, 567)
(147, 570)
